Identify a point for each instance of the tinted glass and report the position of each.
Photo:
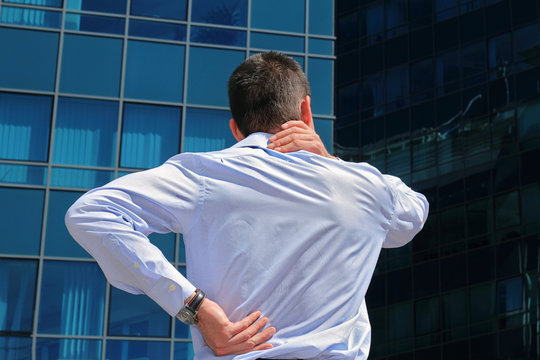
(325, 130)
(91, 65)
(209, 71)
(24, 126)
(372, 21)
(500, 51)
(165, 243)
(321, 17)
(509, 295)
(154, 71)
(320, 75)
(68, 349)
(397, 83)
(400, 314)
(21, 236)
(149, 350)
(17, 291)
(58, 242)
(75, 300)
(160, 8)
(210, 35)
(269, 14)
(30, 63)
(183, 351)
(23, 174)
(150, 135)
(79, 178)
(111, 6)
(93, 23)
(220, 12)
(55, 3)
(85, 132)
(207, 130)
(136, 315)
(156, 29)
(30, 17)
(16, 348)
(320, 46)
(427, 316)
(277, 42)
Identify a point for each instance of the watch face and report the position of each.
(186, 316)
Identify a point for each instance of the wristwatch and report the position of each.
(188, 313)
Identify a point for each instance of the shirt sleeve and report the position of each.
(410, 213)
(112, 223)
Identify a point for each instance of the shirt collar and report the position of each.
(259, 139)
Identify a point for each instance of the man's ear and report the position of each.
(235, 130)
(305, 108)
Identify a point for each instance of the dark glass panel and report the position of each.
(16, 348)
(514, 344)
(507, 210)
(397, 83)
(30, 17)
(478, 185)
(446, 34)
(111, 6)
(526, 85)
(372, 131)
(421, 43)
(529, 132)
(401, 314)
(456, 350)
(447, 67)
(453, 272)
(479, 217)
(400, 282)
(530, 204)
(397, 124)
(175, 10)
(509, 259)
(523, 11)
(426, 279)
(347, 99)
(376, 294)
(347, 140)
(473, 60)
(93, 23)
(372, 22)
(372, 95)
(448, 112)
(433, 353)
(484, 347)
(420, 8)
(347, 68)
(482, 307)
(395, 15)
(425, 243)
(149, 350)
(156, 29)
(378, 320)
(498, 18)
(481, 265)
(476, 132)
(68, 348)
(422, 76)
(472, 26)
(526, 42)
(17, 294)
(423, 116)
(371, 59)
(396, 51)
(451, 194)
(500, 53)
(427, 316)
(347, 29)
(220, 12)
(509, 295)
(455, 314)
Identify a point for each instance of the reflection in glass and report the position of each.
(15, 348)
(23, 174)
(111, 6)
(421, 76)
(427, 316)
(320, 75)
(526, 44)
(372, 93)
(447, 68)
(372, 22)
(347, 99)
(269, 14)
(30, 17)
(277, 42)
(157, 29)
(148, 350)
(24, 126)
(509, 295)
(150, 135)
(401, 314)
(75, 299)
(500, 51)
(136, 315)
(231, 12)
(58, 242)
(17, 292)
(175, 10)
(321, 19)
(397, 83)
(19, 235)
(85, 132)
(55, 3)
(395, 15)
(93, 23)
(79, 178)
(68, 349)
(207, 130)
(210, 35)
(473, 59)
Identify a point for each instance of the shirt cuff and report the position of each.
(171, 293)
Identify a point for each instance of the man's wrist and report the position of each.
(189, 312)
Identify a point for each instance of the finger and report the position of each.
(292, 142)
(249, 332)
(289, 132)
(243, 324)
(255, 343)
(291, 123)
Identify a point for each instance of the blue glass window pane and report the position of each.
(150, 135)
(58, 242)
(500, 51)
(24, 126)
(447, 67)
(15, 348)
(136, 315)
(421, 76)
(68, 349)
(75, 298)
(442, 5)
(321, 17)
(395, 15)
(17, 292)
(209, 35)
(473, 59)
(183, 351)
(270, 14)
(165, 243)
(325, 129)
(85, 132)
(372, 91)
(93, 23)
(158, 30)
(209, 71)
(30, 63)
(321, 46)
(372, 21)
(154, 71)
(397, 83)
(20, 236)
(80, 178)
(91, 65)
(509, 295)
(30, 17)
(110, 6)
(181, 250)
(207, 130)
(166, 9)
(526, 42)
(23, 174)
(320, 79)
(277, 42)
(55, 3)
(220, 12)
(148, 350)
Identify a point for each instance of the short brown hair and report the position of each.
(265, 91)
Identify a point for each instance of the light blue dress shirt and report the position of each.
(294, 235)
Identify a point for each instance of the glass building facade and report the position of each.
(446, 95)
(91, 90)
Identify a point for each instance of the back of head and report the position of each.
(265, 91)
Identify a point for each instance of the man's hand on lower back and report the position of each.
(295, 136)
(225, 337)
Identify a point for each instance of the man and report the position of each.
(269, 230)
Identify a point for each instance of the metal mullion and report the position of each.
(23, 162)
(96, 13)
(27, 27)
(248, 35)
(157, 40)
(47, 189)
(31, 6)
(186, 76)
(215, 46)
(23, 91)
(93, 33)
(161, 20)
